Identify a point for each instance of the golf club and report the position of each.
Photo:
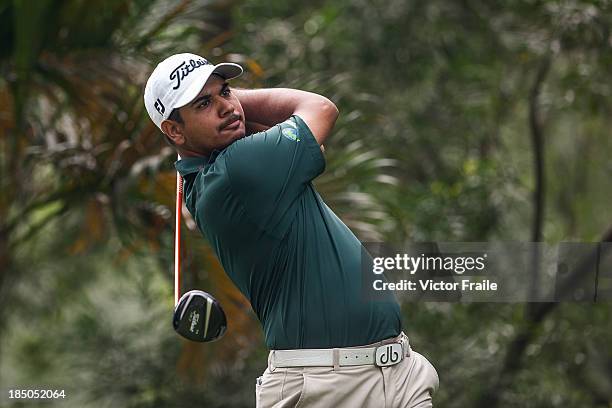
(198, 316)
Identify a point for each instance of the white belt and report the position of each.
(384, 353)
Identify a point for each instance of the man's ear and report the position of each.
(174, 131)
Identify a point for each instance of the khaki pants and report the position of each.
(410, 383)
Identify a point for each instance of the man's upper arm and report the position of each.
(320, 116)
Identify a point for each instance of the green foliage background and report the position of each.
(466, 120)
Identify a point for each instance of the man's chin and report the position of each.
(233, 138)
(233, 135)
(240, 132)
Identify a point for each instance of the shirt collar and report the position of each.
(193, 164)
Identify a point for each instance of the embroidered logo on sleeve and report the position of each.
(290, 134)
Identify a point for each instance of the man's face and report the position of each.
(213, 120)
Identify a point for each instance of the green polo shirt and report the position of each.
(283, 247)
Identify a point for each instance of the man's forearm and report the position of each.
(271, 105)
(274, 105)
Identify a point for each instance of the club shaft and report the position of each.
(177, 238)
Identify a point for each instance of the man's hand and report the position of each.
(268, 107)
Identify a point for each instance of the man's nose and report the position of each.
(225, 107)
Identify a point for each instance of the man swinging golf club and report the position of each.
(286, 251)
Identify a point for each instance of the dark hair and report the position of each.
(175, 115)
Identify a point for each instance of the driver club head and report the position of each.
(198, 316)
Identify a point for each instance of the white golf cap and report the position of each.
(177, 80)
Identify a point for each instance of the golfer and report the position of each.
(248, 158)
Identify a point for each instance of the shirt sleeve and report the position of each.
(269, 171)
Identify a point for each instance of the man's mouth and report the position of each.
(232, 123)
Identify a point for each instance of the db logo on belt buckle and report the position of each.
(389, 354)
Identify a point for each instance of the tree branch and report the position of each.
(535, 313)
(512, 361)
(537, 141)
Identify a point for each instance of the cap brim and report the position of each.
(227, 70)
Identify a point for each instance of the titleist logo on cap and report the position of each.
(186, 67)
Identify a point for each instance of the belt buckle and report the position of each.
(389, 354)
